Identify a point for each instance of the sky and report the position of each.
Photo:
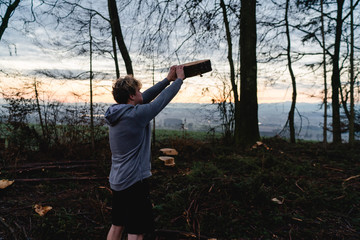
(29, 57)
(21, 56)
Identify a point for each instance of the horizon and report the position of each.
(194, 90)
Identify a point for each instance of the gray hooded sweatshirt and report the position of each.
(130, 132)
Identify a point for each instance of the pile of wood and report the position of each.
(168, 160)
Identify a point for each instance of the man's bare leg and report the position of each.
(115, 233)
(135, 237)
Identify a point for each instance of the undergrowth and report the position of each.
(277, 190)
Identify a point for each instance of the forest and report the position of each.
(234, 184)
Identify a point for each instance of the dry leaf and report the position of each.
(4, 183)
(41, 210)
(169, 151)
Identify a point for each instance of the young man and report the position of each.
(129, 135)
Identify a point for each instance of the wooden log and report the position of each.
(169, 151)
(168, 161)
(195, 68)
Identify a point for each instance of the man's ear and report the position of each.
(131, 97)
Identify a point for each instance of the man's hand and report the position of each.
(180, 72)
(172, 74)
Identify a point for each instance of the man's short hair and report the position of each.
(124, 87)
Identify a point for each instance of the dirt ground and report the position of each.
(274, 191)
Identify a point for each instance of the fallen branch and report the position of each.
(352, 177)
(331, 168)
(53, 167)
(58, 179)
(37, 164)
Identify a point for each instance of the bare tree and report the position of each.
(352, 77)
(92, 131)
(200, 27)
(335, 78)
(232, 68)
(248, 129)
(81, 40)
(201, 18)
(117, 33)
(338, 57)
(10, 7)
(324, 72)
(292, 75)
(38, 109)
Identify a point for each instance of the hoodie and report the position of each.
(130, 132)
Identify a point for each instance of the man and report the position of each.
(129, 135)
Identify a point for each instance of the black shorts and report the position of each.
(132, 209)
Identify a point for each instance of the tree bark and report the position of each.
(5, 20)
(293, 80)
(116, 29)
(248, 123)
(335, 78)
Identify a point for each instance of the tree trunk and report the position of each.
(154, 119)
(232, 69)
(5, 20)
(293, 80)
(335, 78)
(324, 67)
(44, 142)
(116, 29)
(249, 128)
(92, 134)
(352, 78)
(117, 70)
(39, 110)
